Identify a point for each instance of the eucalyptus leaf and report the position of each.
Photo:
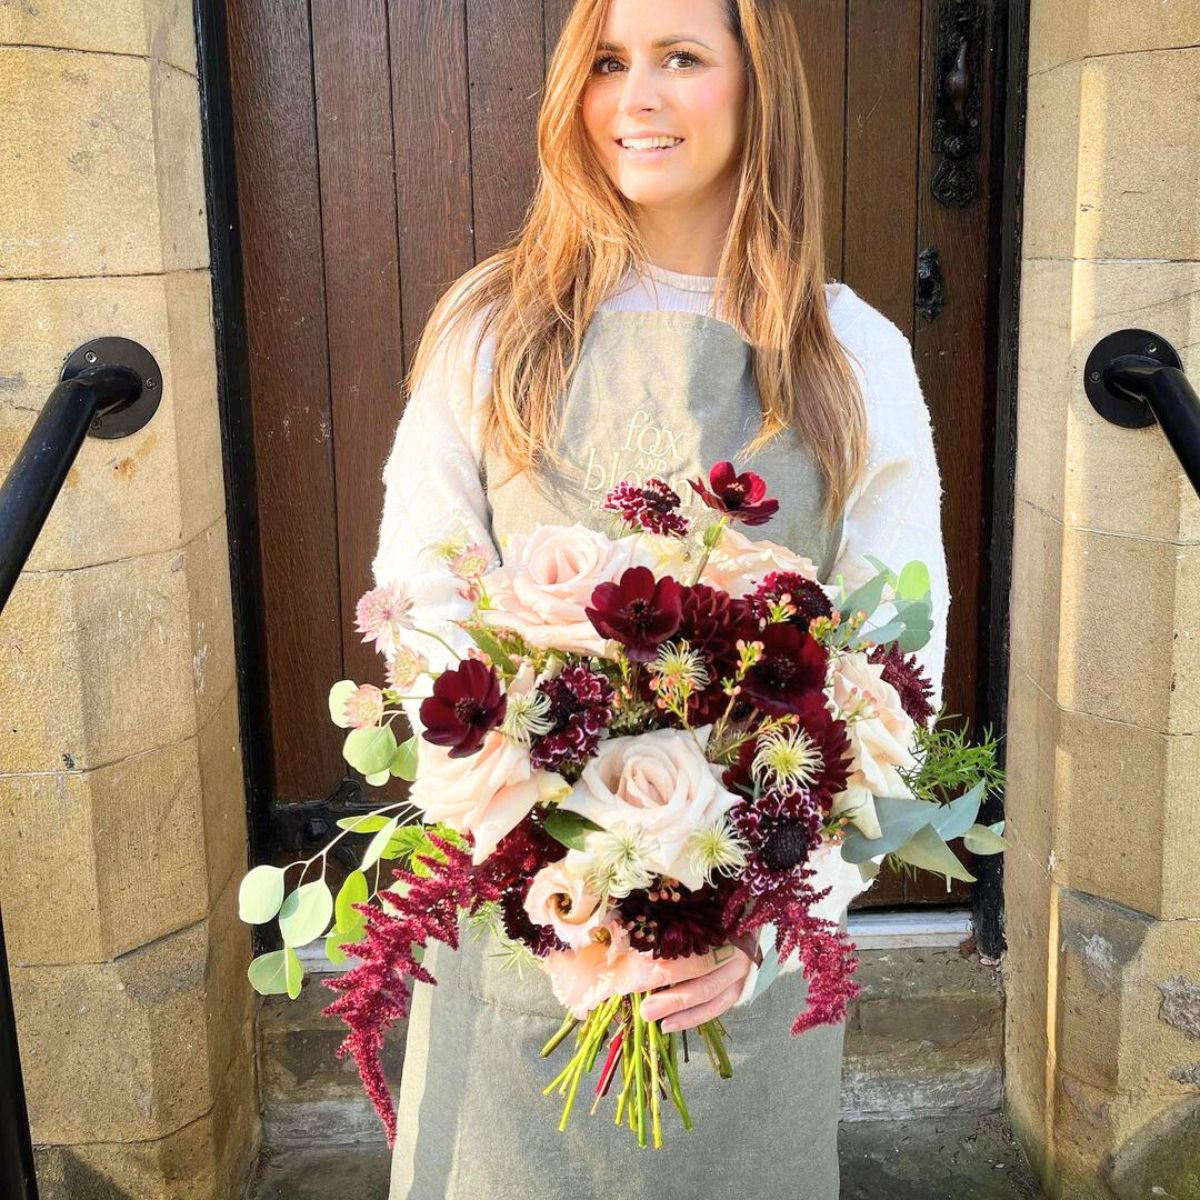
(268, 973)
(260, 894)
(368, 823)
(371, 749)
(378, 843)
(294, 972)
(305, 913)
(868, 870)
(866, 597)
(884, 634)
(377, 778)
(353, 891)
(568, 828)
(404, 762)
(913, 583)
(984, 839)
(338, 695)
(882, 568)
(899, 818)
(954, 819)
(927, 851)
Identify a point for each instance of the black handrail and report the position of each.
(1134, 378)
(109, 388)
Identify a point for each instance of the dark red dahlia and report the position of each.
(671, 921)
(638, 611)
(740, 497)
(793, 667)
(806, 594)
(711, 622)
(652, 507)
(906, 675)
(467, 702)
(581, 708)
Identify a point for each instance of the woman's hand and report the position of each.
(703, 997)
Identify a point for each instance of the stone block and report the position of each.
(157, 488)
(129, 621)
(1062, 32)
(1052, 143)
(77, 127)
(210, 610)
(223, 787)
(135, 1049)
(130, 839)
(1133, 190)
(160, 29)
(1129, 999)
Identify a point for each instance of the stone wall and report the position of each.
(1103, 907)
(122, 826)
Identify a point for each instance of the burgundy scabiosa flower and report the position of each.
(467, 701)
(638, 611)
(653, 507)
(792, 669)
(740, 497)
(807, 595)
(580, 709)
(905, 674)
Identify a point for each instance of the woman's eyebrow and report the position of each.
(660, 43)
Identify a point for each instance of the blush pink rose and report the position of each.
(486, 794)
(738, 562)
(658, 782)
(547, 581)
(558, 897)
(608, 966)
(881, 739)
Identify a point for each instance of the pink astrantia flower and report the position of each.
(365, 706)
(405, 668)
(382, 613)
(470, 563)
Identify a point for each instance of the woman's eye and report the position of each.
(690, 60)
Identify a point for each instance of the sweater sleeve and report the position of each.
(433, 491)
(894, 515)
(895, 512)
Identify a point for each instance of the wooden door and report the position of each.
(383, 147)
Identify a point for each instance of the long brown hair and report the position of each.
(579, 238)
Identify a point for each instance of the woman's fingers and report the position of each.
(702, 989)
(690, 1018)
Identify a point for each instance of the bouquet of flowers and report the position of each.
(662, 740)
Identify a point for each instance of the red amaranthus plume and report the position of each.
(377, 992)
(828, 959)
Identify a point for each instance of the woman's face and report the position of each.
(667, 67)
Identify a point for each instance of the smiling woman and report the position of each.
(663, 308)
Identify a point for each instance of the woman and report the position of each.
(663, 309)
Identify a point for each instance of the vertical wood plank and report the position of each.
(822, 25)
(432, 137)
(352, 71)
(883, 74)
(505, 43)
(279, 207)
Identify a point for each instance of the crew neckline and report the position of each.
(686, 283)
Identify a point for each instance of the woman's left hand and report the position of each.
(704, 997)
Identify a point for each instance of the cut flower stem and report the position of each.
(646, 1058)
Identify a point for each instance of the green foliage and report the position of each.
(305, 913)
(568, 828)
(949, 762)
(404, 764)
(276, 973)
(371, 750)
(260, 894)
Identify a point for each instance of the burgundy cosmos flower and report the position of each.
(652, 507)
(793, 667)
(740, 497)
(466, 703)
(638, 611)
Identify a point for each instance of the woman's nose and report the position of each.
(641, 91)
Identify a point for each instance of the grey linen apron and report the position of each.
(660, 393)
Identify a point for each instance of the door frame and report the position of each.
(1010, 28)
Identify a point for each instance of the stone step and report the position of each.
(923, 1040)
